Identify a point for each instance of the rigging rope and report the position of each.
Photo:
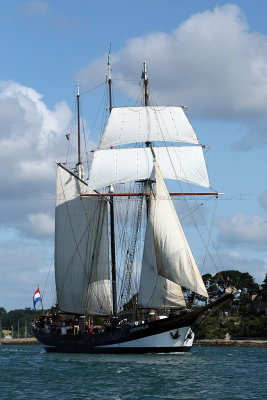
(94, 88)
(193, 219)
(47, 277)
(127, 284)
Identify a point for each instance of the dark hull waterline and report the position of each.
(172, 334)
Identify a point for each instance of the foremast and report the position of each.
(111, 209)
(81, 243)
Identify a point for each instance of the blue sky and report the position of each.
(209, 55)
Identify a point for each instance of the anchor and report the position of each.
(175, 335)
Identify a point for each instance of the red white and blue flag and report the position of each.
(36, 298)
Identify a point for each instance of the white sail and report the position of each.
(113, 166)
(160, 293)
(147, 124)
(166, 246)
(81, 249)
(156, 291)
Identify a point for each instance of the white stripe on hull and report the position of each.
(166, 339)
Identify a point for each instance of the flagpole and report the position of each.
(41, 300)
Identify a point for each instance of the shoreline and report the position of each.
(197, 343)
(22, 341)
(230, 343)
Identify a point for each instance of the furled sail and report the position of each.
(81, 249)
(166, 248)
(113, 166)
(147, 124)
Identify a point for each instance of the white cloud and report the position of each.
(26, 121)
(257, 267)
(29, 131)
(34, 8)
(244, 230)
(35, 170)
(254, 134)
(42, 223)
(263, 200)
(24, 264)
(236, 260)
(211, 62)
(32, 138)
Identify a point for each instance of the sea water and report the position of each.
(27, 372)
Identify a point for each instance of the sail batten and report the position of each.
(166, 251)
(81, 249)
(113, 166)
(147, 124)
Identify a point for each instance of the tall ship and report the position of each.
(122, 260)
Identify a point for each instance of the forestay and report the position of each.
(166, 250)
(81, 249)
(113, 166)
(147, 124)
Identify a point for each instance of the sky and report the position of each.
(208, 55)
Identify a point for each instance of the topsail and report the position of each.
(111, 166)
(147, 124)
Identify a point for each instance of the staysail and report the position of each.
(81, 249)
(167, 254)
(156, 291)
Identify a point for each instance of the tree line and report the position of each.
(245, 316)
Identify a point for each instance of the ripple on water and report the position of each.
(206, 373)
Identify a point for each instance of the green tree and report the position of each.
(264, 289)
(2, 313)
(240, 280)
(13, 317)
(243, 281)
(211, 286)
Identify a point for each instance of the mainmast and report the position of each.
(148, 144)
(144, 76)
(112, 226)
(78, 111)
(79, 164)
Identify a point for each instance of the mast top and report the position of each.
(144, 71)
(79, 164)
(144, 76)
(109, 69)
(109, 81)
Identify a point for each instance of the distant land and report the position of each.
(244, 319)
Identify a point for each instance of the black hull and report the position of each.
(116, 340)
(127, 350)
(172, 334)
